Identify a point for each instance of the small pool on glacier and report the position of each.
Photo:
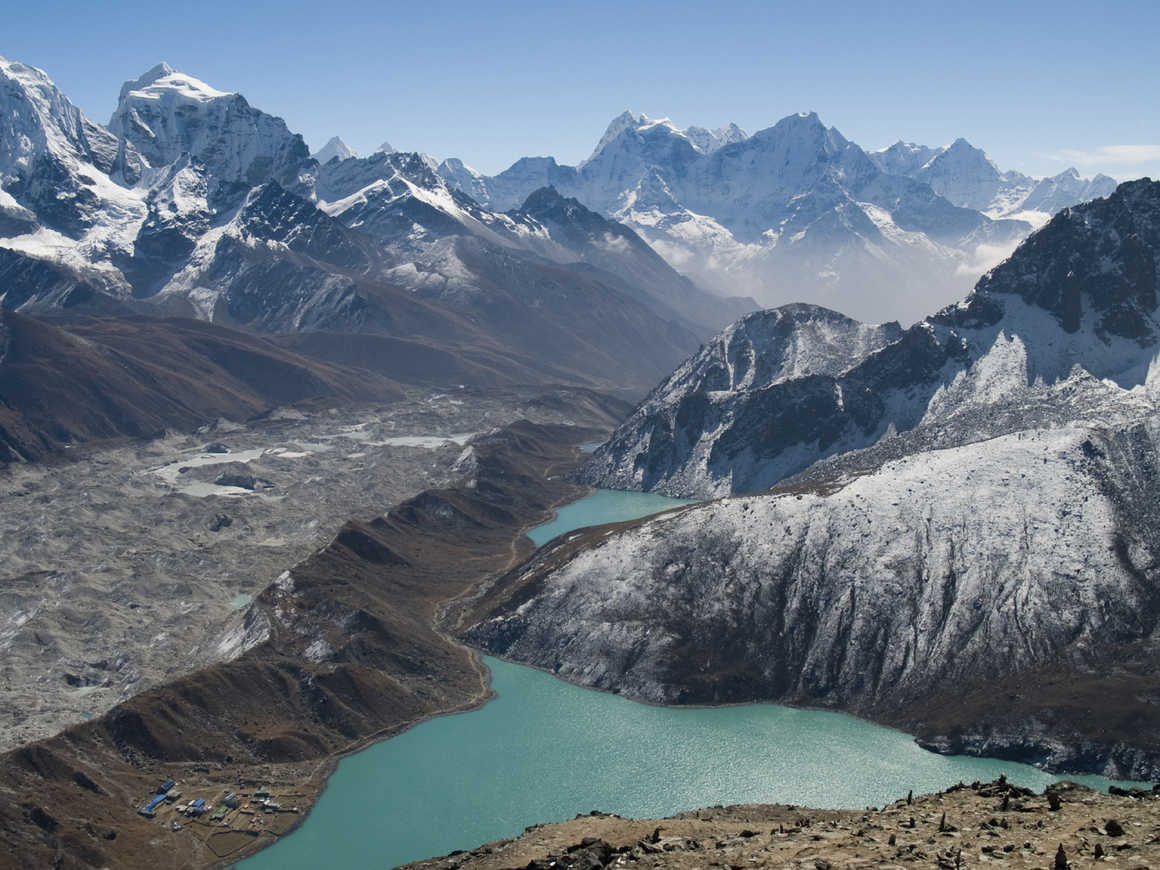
(544, 750)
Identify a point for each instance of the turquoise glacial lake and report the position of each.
(544, 750)
(603, 506)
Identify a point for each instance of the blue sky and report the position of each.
(1039, 85)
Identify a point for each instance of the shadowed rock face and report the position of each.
(1082, 291)
(1093, 264)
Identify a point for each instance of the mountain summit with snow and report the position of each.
(166, 114)
(705, 141)
(334, 148)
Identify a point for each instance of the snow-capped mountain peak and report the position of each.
(163, 80)
(967, 177)
(332, 149)
(39, 118)
(385, 148)
(626, 120)
(703, 140)
(57, 165)
(806, 128)
(165, 114)
(903, 158)
(458, 174)
(963, 155)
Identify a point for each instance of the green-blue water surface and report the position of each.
(603, 506)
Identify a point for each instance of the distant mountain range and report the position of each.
(967, 177)
(194, 203)
(797, 213)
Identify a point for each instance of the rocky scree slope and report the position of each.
(986, 579)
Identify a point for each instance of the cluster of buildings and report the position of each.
(167, 792)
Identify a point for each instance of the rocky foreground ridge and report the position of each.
(1068, 826)
(969, 551)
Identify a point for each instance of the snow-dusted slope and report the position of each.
(792, 213)
(668, 444)
(876, 594)
(1080, 292)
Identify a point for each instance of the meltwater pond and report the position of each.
(544, 750)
